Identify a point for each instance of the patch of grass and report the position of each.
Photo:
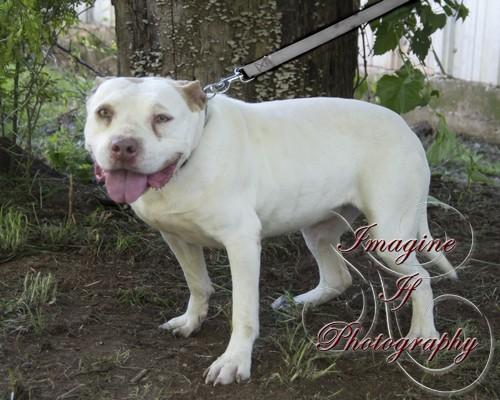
(98, 217)
(301, 359)
(119, 234)
(33, 318)
(118, 359)
(26, 313)
(57, 234)
(13, 229)
(38, 290)
(139, 297)
(124, 242)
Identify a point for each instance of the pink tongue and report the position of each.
(125, 186)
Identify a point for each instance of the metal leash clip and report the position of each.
(225, 83)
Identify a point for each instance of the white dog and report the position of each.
(225, 173)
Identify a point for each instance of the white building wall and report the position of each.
(102, 13)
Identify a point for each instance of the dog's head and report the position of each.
(140, 130)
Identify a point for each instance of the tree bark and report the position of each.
(205, 40)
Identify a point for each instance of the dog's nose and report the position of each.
(124, 149)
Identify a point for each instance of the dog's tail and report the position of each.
(437, 258)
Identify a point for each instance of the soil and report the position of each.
(117, 281)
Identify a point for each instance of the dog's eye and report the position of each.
(104, 113)
(162, 118)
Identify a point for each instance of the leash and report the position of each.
(250, 71)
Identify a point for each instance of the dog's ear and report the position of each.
(193, 93)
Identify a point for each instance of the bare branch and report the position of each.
(79, 60)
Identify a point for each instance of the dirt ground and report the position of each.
(117, 281)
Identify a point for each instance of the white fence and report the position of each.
(102, 13)
(468, 50)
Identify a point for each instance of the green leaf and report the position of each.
(435, 93)
(463, 12)
(448, 10)
(386, 38)
(420, 44)
(431, 21)
(420, 41)
(404, 91)
(389, 30)
(361, 89)
(446, 146)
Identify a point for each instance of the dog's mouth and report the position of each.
(125, 186)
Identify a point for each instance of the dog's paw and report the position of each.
(184, 325)
(228, 368)
(314, 297)
(280, 303)
(419, 333)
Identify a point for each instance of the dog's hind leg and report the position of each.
(398, 210)
(437, 258)
(334, 277)
(422, 322)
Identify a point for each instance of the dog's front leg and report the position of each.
(235, 363)
(192, 262)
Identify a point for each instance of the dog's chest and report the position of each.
(190, 224)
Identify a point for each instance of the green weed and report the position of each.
(301, 359)
(13, 229)
(139, 297)
(26, 313)
(447, 148)
(119, 358)
(124, 242)
(38, 290)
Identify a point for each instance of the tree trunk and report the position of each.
(205, 40)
